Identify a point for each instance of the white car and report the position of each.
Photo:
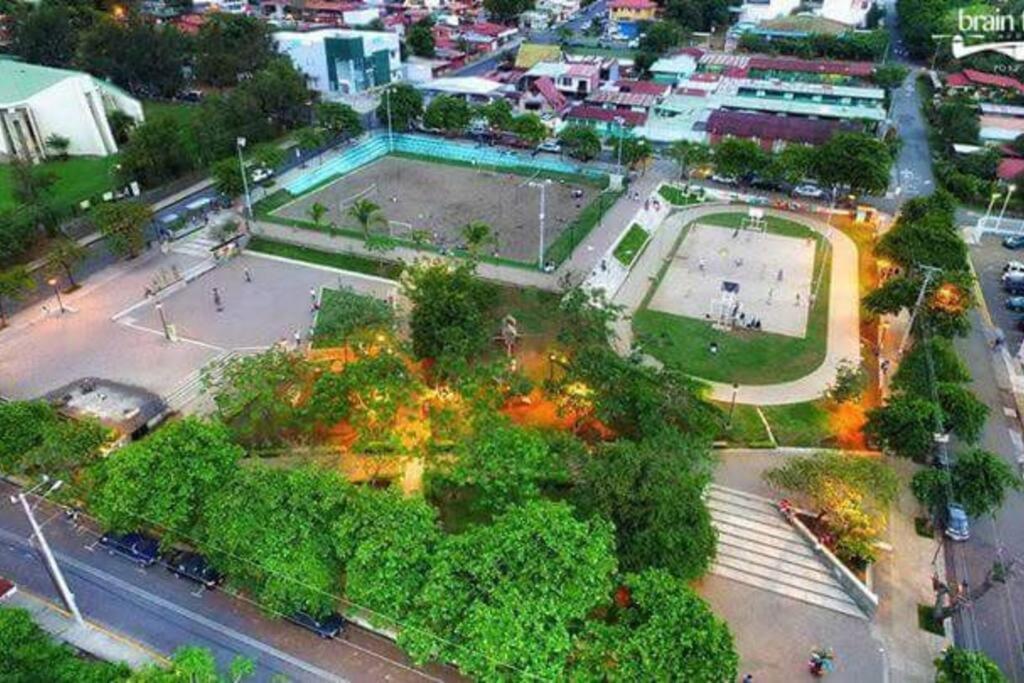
(550, 146)
(262, 173)
(809, 191)
(724, 179)
(1012, 267)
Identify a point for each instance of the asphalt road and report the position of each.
(162, 612)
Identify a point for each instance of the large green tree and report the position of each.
(978, 480)
(736, 157)
(507, 11)
(420, 39)
(45, 33)
(580, 142)
(165, 480)
(652, 491)
(403, 103)
(230, 45)
(858, 161)
(507, 595)
(338, 118)
(140, 55)
(15, 284)
(658, 630)
(123, 224)
(688, 154)
(448, 113)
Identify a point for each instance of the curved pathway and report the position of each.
(842, 339)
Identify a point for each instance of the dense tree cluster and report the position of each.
(34, 439)
(867, 46)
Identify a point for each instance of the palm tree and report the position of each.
(63, 256)
(15, 283)
(688, 154)
(367, 215)
(476, 234)
(317, 213)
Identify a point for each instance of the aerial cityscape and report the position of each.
(511, 340)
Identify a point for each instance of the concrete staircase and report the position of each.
(756, 546)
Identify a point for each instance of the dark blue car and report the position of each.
(139, 548)
(329, 626)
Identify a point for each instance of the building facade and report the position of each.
(340, 62)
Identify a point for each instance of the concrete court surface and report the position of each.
(441, 199)
(271, 308)
(774, 274)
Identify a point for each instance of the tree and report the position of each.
(507, 11)
(123, 224)
(63, 256)
(58, 144)
(227, 177)
(958, 665)
(634, 151)
(450, 306)
(498, 114)
(688, 154)
(121, 125)
(367, 215)
(155, 153)
(530, 128)
(142, 56)
(279, 94)
(581, 142)
(852, 492)
(889, 76)
(346, 316)
(15, 283)
(448, 113)
(229, 45)
(476, 234)
(271, 532)
(337, 118)
(858, 161)
(44, 33)
(506, 463)
(308, 138)
(165, 480)
(958, 121)
(506, 595)
(793, 164)
(905, 426)
(652, 492)
(660, 37)
(849, 383)
(658, 629)
(31, 185)
(36, 440)
(737, 157)
(963, 413)
(420, 39)
(643, 61)
(316, 213)
(405, 104)
(978, 480)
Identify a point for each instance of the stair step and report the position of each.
(770, 517)
(827, 589)
(742, 500)
(741, 494)
(847, 606)
(731, 545)
(784, 532)
(744, 536)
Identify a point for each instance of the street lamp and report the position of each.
(53, 283)
(543, 185)
(239, 144)
(163, 320)
(732, 404)
(991, 203)
(1009, 193)
(619, 122)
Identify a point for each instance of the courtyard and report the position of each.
(432, 202)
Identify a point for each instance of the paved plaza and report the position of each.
(441, 199)
(771, 274)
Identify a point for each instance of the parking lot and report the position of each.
(988, 258)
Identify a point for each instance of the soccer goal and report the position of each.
(725, 309)
(755, 220)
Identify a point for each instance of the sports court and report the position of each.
(441, 198)
(730, 276)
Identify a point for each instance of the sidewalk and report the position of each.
(93, 638)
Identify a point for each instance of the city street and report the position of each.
(163, 613)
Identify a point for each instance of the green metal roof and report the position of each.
(19, 81)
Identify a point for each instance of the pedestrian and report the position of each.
(713, 348)
(312, 294)
(884, 365)
(246, 274)
(780, 275)
(798, 298)
(218, 304)
(749, 678)
(771, 292)
(701, 265)
(298, 338)
(604, 265)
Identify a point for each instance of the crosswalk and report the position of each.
(757, 547)
(198, 244)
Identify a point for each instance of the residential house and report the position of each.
(340, 62)
(604, 121)
(771, 132)
(626, 16)
(756, 11)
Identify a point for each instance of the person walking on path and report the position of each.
(298, 338)
(217, 302)
(247, 274)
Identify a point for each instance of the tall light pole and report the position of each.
(239, 144)
(391, 134)
(1009, 193)
(988, 212)
(56, 290)
(543, 185)
(51, 561)
(163, 320)
(619, 121)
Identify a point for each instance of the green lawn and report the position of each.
(800, 424)
(743, 356)
(630, 245)
(746, 429)
(181, 114)
(578, 230)
(77, 178)
(535, 310)
(677, 197)
(353, 262)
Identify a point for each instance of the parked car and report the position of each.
(550, 146)
(7, 588)
(1012, 267)
(957, 526)
(809, 191)
(1014, 286)
(1014, 242)
(194, 567)
(1015, 304)
(724, 179)
(326, 627)
(139, 548)
(262, 173)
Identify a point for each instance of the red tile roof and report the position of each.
(1010, 169)
(957, 80)
(642, 87)
(857, 69)
(769, 127)
(546, 87)
(488, 29)
(692, 92)
(982, 78)
(588, 113)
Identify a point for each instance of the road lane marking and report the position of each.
(114, 581)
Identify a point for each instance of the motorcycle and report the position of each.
(821, 662)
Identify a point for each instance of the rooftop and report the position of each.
(464, 85)
(632, 4)
(768, 127)
(590, 113)
(644, 87)
(20, 81)
(531, 53)
(623, 99)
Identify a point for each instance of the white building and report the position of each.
(39, 101)
(341, 62)
(756, 11)
(849, 12)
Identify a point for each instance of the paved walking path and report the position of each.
(843, 335)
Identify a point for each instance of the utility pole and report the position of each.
(929, 273)
(826, 246)
(543, 207)
(51, 562)
(391, 135)
(240, 143)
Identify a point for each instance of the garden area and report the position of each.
(742, 355)
(562, 509)
(74, 179)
